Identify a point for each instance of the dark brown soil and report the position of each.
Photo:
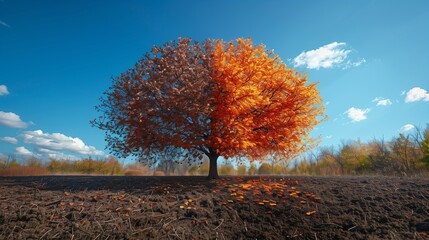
(88, 207)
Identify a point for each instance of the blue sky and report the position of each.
(57, 57)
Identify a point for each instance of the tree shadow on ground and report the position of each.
(114, 183)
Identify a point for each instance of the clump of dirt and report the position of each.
(65, 207)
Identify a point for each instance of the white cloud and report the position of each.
(10, 140)
(10, 119)
(62, 156)
(357, 114)
(407, 127)
(350, 64)
(382, 101)
(4, 24)
(3, 90)
(328, 56)
(22, 151)
(328, 137)
(55, 154)
(45, 151)
(416, 94)
(58, 142)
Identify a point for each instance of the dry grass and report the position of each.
(137, 172)
(158, 173)
(24, 171)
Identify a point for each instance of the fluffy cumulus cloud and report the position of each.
(56, 142)
(416, 94)
(10, 140)
(407, 127)
(382, 101)
(3, 90)
(328, 56)
(357, 114)
(22, 151)
(12, 120)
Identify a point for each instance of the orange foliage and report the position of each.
(260, 105)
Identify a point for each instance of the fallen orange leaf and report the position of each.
(310, 213)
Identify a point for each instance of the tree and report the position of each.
(189, 99)
(425, 147)
(167, 166)
(241, 170)
(252, 169)
(380, 157)
(265, 169)
(226, 169)
(54, 165)
(327, 164)
(402, 153)
(113, 167)
(33, 162)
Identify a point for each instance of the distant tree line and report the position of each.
(404, 155)
(33, 166)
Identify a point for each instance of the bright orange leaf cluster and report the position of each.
(261, 106)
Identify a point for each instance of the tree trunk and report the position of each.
(213, 156)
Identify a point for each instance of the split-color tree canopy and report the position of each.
(212, 99)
